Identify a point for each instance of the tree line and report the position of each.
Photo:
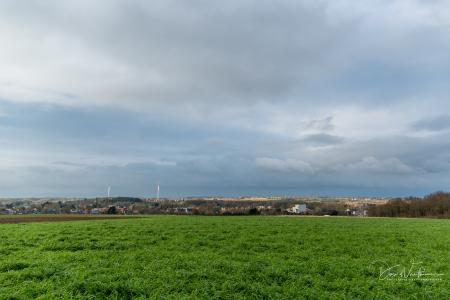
(436, 205)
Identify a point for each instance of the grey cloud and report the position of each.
(438, 123)
(323, 139)
(174, 51)
(324, 124)
(203, 54)
(393, 155)
(286, 165)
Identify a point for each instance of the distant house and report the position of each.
(184, 210)
(350, 212)
(121, 210)
(299, 209)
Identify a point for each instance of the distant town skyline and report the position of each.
(226, 98)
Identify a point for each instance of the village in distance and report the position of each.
(323, 206)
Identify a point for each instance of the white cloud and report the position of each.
(388, 165)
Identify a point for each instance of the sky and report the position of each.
(224, 98)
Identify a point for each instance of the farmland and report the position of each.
(256, 257)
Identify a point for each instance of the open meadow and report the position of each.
(175, 257)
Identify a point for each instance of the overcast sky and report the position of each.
(309, 97)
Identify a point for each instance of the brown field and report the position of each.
(12, 219)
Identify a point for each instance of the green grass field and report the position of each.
(173, 257)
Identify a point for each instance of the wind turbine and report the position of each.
(157, 193)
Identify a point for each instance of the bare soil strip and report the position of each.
(56, 218)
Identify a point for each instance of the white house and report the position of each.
(299, 209)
